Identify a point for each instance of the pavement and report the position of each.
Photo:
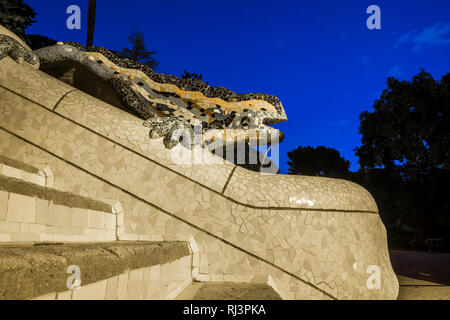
(422, 275)
(229, 291)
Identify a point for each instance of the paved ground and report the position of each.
(424, 292)
(422, 275)
(433, 267)
(229, 291)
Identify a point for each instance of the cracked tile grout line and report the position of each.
(228, 180)
(62, 98)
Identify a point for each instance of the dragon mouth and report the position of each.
(260, 136)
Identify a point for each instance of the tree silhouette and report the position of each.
(195, 76)
(408, 129)
(188, 75)
(36, 41)
(138, 51)
(16, 16)
(320, 161)
(404, 159)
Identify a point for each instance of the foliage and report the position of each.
(404, 158)
(320, 161)
(37, 41)
(195, 76)
(188, 75)
(408, 129)
(16, 16)
(138, 52)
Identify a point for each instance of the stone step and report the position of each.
(26, 172)
(228, 291)
(33, 213)
(114, 270)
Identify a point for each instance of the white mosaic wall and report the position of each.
(30, 219)
(316, 237)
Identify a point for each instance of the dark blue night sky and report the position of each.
(317, 56)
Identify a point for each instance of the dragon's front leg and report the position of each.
(11, 47)
(5, 46)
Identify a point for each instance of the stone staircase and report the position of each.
(44, 231)
(47, 234)
(109, 184)
(32, 211)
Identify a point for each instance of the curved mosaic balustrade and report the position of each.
(309, 193)
(263, 190)
(243, 186)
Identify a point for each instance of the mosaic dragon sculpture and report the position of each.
(171, 107)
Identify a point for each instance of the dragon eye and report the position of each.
(245, 122)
